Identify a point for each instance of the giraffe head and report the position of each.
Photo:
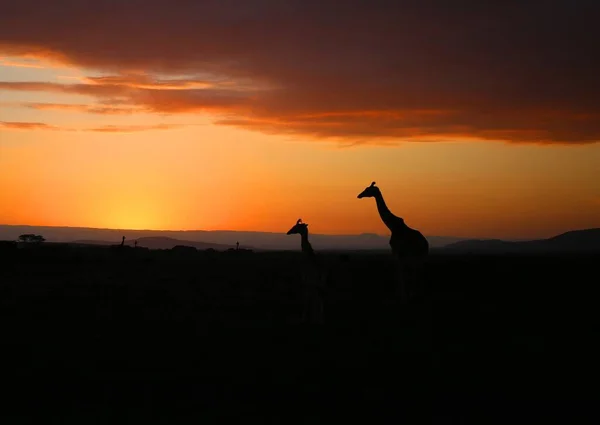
(299, 228)
(369, 192)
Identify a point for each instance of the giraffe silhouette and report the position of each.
(120, 247)
(312, 276)
(408, 245)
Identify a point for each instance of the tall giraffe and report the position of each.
(408, 245)
(312, 276)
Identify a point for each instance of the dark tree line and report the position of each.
(31, 238)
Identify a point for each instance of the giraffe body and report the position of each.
(408, 245)
(312, 277)
(407, 242)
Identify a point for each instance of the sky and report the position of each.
(476, 119)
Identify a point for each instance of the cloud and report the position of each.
(14, 125)
(363, 70)
(19, 64)
(119, 93)
(92, 109)
(146, 82)
(132, 128)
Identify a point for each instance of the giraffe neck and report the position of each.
(389, 219)
(312, 263)
(305, 244)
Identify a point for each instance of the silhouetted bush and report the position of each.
(184, 249)
(31, 238)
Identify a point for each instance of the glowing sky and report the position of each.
(198, 117)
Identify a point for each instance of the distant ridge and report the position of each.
(586, 240)
(257, 240)
(575, 241)
(162, 243)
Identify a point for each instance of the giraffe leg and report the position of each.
(413, 270)
(304, 317)
(305, 302)
(314, 307)
(310, 308)
(410, 280)
(319, 305)
(400, 281)
(419, 277)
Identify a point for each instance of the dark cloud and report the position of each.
(420, 70)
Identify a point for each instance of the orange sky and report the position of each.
(181, 124)
(205, 176)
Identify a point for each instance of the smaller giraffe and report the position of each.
(120, 247)
(312, 276)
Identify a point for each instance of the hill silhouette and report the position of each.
(162, 243)
(587, 240)
(576, 241)
(258, 240)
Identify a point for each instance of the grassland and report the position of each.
(94, 335)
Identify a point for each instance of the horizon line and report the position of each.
(223, 230)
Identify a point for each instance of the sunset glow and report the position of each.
(167, 140)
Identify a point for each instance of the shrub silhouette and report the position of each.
(31, 238)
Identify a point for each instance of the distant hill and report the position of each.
(258, 240)
(573, 241)
(161, 243)
(587, 240)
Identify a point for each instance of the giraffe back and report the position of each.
(408, 242)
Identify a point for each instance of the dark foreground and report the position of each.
(91, 336)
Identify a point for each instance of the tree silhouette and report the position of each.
(31, 238)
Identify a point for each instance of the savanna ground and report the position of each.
(91, 335)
